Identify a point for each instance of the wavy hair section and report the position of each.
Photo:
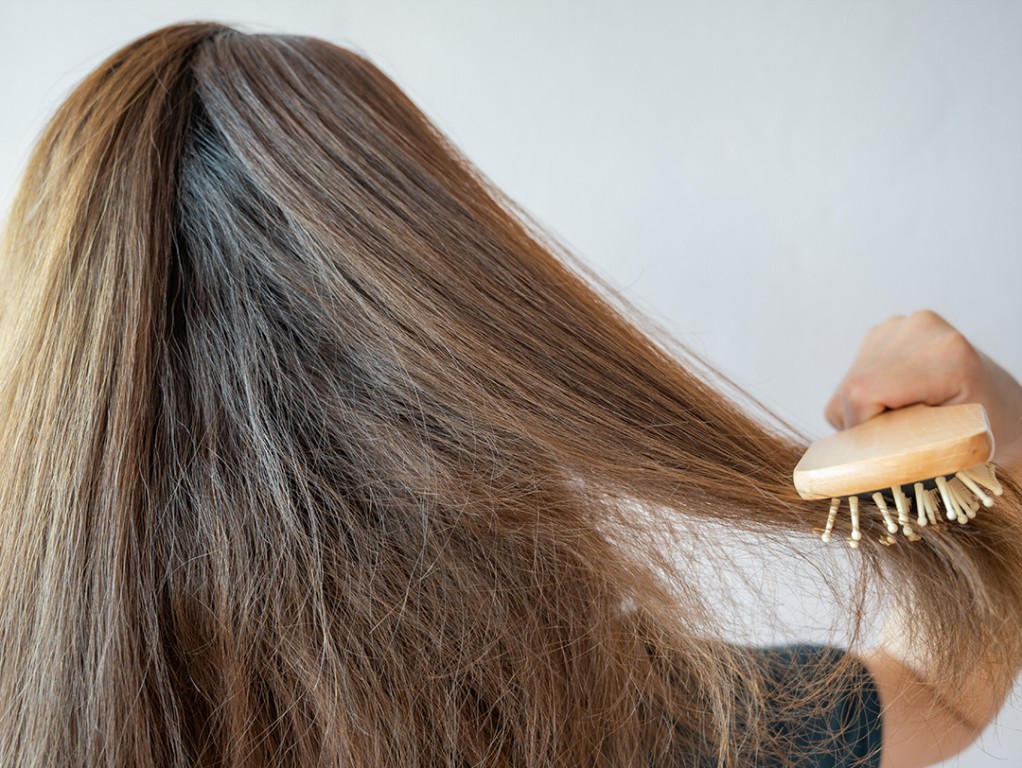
(315, 450)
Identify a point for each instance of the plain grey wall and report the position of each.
(768, 179)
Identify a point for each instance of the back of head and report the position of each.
(315, 452)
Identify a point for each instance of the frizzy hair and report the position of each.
(314, 450)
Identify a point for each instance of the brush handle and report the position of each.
(896, 448)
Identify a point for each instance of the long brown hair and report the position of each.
(314, 449)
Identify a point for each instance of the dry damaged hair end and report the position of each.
(314, 451)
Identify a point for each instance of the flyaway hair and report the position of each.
(315, 451)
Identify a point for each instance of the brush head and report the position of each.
(898, 447)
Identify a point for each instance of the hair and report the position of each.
(316, 450)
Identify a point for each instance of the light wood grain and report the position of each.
(896, 448)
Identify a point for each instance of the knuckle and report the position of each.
(957, 349)
(885, 326)
(855, 388)
(927, 318)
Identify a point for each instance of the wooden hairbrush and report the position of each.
(942, 453)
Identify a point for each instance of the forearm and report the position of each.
(924, 724)
(927, 717)
(953, 645)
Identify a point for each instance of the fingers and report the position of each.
(843, 411)
(920, 358)
(834, 412)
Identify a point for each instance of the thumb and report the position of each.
(858, 412)
(844, 411)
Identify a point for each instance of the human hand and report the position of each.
(923, 359)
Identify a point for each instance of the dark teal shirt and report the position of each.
(844, 730)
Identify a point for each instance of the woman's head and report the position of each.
(314, 449)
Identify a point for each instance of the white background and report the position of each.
(768, 179)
